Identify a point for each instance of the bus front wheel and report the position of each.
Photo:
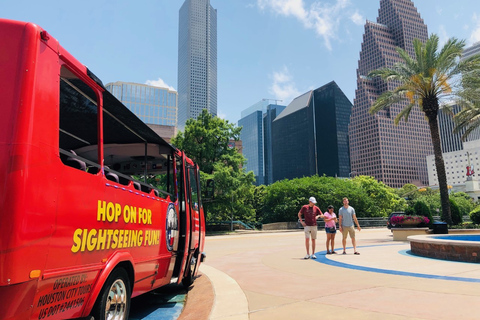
(114, 299)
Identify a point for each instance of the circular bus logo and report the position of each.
(171, 226)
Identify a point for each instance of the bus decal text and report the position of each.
(105, 239)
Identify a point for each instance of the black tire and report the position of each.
(114, 299)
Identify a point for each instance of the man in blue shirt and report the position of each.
(347, 217)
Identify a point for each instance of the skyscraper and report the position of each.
(393, 154)
(471, 51)
(155, 106)
(310, 136)
(256, 137)
(197, 60)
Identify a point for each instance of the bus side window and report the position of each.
(194, 189)
(78, 130)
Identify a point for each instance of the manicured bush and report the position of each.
(410, 211)
(456, 214)
(421, 209)
(475, 215)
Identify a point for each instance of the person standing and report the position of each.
(311, 213)
(330, 219)
(347, 217)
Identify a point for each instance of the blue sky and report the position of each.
(276, 49)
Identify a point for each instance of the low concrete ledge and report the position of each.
(447, 248)
(401, 234)
(281, 226)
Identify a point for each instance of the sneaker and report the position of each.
(306, 257)
(313, 256)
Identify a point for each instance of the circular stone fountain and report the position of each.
(453, 247)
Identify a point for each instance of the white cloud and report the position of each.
(321, 17)
(442, 36)
(283, 87)
(159, 83)
(475, 36)
(357, 18)
(221, 115)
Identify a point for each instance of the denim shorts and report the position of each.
(330, 230)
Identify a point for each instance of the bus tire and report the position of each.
(114, 299)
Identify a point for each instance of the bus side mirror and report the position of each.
(210, 190)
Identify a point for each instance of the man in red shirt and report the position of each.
(311, 213)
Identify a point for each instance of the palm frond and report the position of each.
(404, 113)
(385, 100)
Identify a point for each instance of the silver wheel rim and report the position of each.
(116, 304)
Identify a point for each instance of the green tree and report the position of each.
(464, 202)
(206, 141)
(382, 199)
(408, 191)
(423, 80)
(283, 199)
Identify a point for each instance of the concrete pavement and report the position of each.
(264, 276)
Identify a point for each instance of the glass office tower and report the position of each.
(153, 105)
(310, 137)
(256, 137)
(197, 60)
(393, 154)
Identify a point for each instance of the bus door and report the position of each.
(193, 190)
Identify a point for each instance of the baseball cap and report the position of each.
(312, 200)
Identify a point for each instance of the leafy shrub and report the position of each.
(456, 214)
(409, 211)
(421, 209)
(475, 215)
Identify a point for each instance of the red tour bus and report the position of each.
(95, 208)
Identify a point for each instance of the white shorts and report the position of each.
(310, 230)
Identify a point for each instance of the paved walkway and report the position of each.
(264, 276)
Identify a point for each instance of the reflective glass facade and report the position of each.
(197, 60)
(252, 142)
(153, 105)
(311, 135)
(256, 137)
(393, 154)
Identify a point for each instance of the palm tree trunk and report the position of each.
(440, 165)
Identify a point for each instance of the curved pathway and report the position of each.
(266, 277)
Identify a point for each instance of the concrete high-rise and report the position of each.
(197, 60)
(311, 135)
(393, 154)
(471, 51)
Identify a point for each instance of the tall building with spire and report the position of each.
(197, 60)
(393, 154)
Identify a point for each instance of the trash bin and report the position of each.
(440, 227)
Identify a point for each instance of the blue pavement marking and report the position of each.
(163, 305)
(322, 258)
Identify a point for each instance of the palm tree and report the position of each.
(425, 80)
